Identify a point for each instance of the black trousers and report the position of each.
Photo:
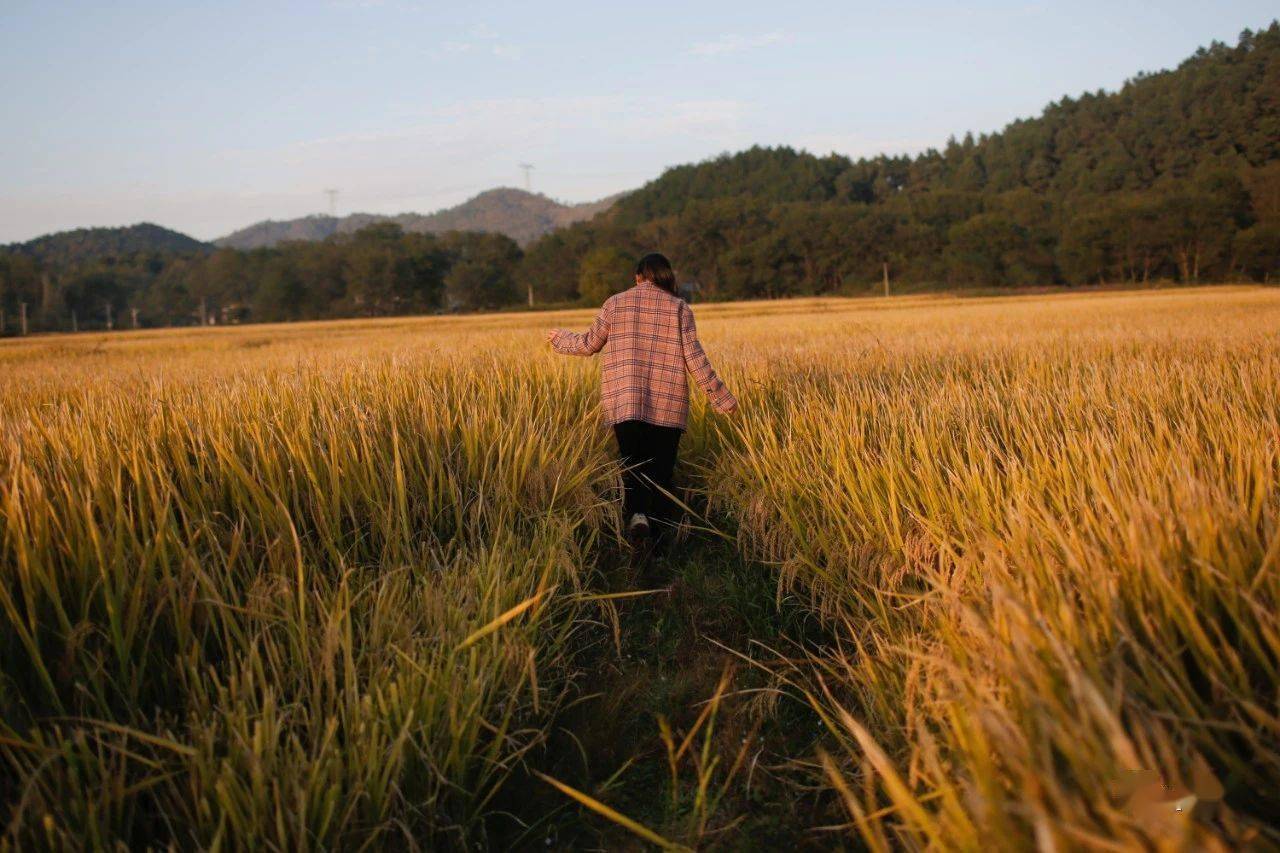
(649, 456)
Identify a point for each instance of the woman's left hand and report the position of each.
(551, 335)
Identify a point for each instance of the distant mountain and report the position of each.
(68, 248)
(522, 216)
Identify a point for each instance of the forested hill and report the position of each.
(1175, 176)
(84, 245)
(522, 216)
(1221, 106)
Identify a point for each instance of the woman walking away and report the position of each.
(649, 342)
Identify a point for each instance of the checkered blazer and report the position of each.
(649, 342)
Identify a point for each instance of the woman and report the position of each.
(649, 342)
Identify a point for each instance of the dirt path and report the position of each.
(666, 657)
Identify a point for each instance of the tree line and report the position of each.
(1176, 177)
(377, 271)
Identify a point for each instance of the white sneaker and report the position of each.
(637, 527)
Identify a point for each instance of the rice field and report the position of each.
(358, 584)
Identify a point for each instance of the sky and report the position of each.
(209, 116)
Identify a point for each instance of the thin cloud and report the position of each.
(484, 31)
(482, 38)
(737, 43)
(487, 121)
(506, 51)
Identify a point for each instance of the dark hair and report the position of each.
(656, 269)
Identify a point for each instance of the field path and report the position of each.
(664, 657)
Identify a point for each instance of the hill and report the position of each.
(1174, 176)
(1221, 104)
(88, 245)
(520, 215)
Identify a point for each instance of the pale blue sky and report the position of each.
(206, 117)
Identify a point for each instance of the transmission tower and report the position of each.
(333, 201)
(527, 168)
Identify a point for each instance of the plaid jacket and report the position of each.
(649, 341)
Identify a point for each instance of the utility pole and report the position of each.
(110, 325)
(530, 304)
(23, 306)
(133, 312)
(886, 278)
(1, 322)
(528, 184)
(75, 327)
(333, 201)
(204, 312)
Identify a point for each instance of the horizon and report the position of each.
(318, 215)
(768, 80)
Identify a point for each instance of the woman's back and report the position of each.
(649, 341)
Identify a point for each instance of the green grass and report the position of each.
(661, 660)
